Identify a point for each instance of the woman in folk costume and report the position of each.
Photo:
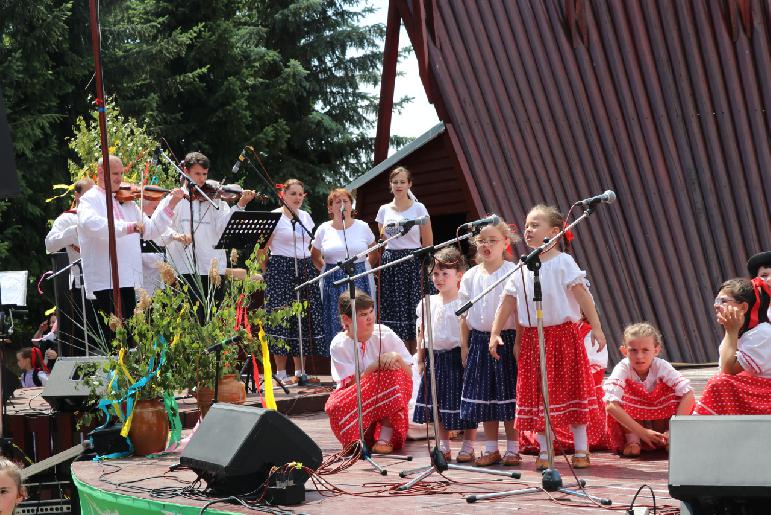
(386, 379)
(643, 392)
(743, 386)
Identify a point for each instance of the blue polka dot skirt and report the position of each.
(400, 293)
(489, 386)
(280, 293)
(449, 382)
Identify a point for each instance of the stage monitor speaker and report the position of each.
(235, 447)
(720, 461)
(9, 182)
(65, 390)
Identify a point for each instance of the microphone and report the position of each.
(608, 198)
(408, 224)
(490, 220)
(218, 346)
(342, 210)
(241, 157)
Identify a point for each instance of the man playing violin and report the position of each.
(130, 223)
(190, 246)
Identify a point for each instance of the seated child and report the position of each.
(34, 371)
(643, 392)
(386, 379)
(743, 386)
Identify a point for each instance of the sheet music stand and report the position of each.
(247, 229)
(150, 247)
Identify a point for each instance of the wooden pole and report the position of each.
(96, 45)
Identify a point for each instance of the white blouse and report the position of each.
(660, 370)
(558, 274)
(64, 235)
(482, 314)
(445, 326)
(753, 351)
(383, 340)
(332, 242)
(387, 214)
(284, 243)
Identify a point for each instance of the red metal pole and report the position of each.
(96, 45)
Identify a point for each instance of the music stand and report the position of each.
(150, 247)
(246, 229)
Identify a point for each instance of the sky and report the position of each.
(419, 115)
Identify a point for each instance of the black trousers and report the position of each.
(103, 305)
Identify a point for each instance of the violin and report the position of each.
(128, 191)
(230, 193)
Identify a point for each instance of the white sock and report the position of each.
(632, 438)
(298, 373)
(541, 439)
(580, 439)
(281, 374)
(444, 445)
(491, 446)
(512, 446)
(468, 446)
(385, 434)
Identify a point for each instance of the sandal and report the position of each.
(512, 459)
(541, 464)
(581, 462)
(382, 447)
(488, 458)
(465, 456)
(632, 450)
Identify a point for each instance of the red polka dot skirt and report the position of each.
(741, 394)
(572, 394)
(384, 395)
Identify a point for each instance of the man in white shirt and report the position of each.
(190, 250)
(94, 242)
(64, 235)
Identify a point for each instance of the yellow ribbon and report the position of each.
(123, 366)
(127, 425)
(270, 401)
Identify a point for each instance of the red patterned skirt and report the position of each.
(572, 397)
(741, 394)
(384, 395)
(643, 406)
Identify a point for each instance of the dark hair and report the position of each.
(363, 301)
(293, 182)
(742, 290)
(82, 184)
(196, 158)
(396, 171)
(35, 356)
(450, 258)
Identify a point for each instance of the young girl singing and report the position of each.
(565, 297)
(643, 392)
(449, 266)
(489, 380)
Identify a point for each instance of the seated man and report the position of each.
(743, 386)
(386, 379)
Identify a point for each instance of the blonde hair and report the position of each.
(642, 330)
(14, 472)
(553, 217)
(508, 236)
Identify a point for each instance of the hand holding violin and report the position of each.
(177, 194)
(246, 197)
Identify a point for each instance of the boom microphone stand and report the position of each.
(551, 480)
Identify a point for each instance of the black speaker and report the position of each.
(9, 182)
(720, 463)
(65, 389)
(235, 447)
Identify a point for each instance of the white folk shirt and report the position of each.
(383, 340)
(753, 351)
(660, 370)
(475, 281)
(208, 225)
(387, 214)
(64, 235)
(557, 274)
(93, 236)
(284, 243)
(445, 326)
(332, 242)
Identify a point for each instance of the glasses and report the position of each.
(719, 301)
(487, 242)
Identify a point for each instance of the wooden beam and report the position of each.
(387, 84)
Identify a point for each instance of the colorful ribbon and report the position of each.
(270, 401)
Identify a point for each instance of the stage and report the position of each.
(133, 485)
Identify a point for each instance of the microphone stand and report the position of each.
(438, 462)
(551, 480)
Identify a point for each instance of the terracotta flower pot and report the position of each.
(149, 427)
(231, 390)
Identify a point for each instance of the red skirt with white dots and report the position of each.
(384, 395)
(642, 405)
(741, 394)
(572, 395)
